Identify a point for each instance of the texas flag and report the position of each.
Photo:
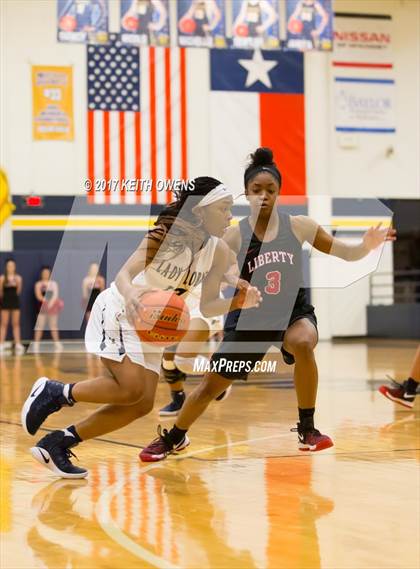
(257, 99)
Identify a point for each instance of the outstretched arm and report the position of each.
(308, 230)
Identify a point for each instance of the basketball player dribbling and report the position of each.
(186, 240)
(268, 245)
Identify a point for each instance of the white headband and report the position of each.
(218, 193)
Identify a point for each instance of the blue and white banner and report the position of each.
(82, 21)
(255, 24)
(309, 25)
(364, 105)
(201, 23)
(145, 22)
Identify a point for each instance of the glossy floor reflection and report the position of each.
(241, 496)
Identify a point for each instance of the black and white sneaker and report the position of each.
(46, 397)
(53, 451)
(175, 406)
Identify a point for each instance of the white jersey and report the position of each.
(111, 336)
(176, 271)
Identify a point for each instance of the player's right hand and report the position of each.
(133, 301)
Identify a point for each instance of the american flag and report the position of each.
(136, 123)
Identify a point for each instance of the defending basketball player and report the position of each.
(182, 251)
(268, 245)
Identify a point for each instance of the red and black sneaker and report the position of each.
(398, 394)
(160, 447)
(312, 440)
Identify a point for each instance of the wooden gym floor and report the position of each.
(242, 495)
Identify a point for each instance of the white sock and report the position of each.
(66, 391)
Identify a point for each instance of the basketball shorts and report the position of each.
(239, 351)
(110, 335)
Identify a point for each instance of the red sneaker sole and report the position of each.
(321, 446)
(384, 390)
(147, 458)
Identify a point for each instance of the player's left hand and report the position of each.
(247, 298)
(375, 236)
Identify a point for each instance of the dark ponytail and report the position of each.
(262, 160)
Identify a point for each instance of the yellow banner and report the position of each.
(6, 206)
(52, 89)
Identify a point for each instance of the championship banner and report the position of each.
(145, 22)
(309, 25)
(201, 23)
(255, 24)
(82, 21)
(52, 89)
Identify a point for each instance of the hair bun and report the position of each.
(262, 157)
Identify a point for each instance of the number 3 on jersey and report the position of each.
(273, 285)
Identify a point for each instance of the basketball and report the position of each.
(295, 26)
(242, 31)
(68, 23)
(187, 26)
(130, 23)
(163, 318)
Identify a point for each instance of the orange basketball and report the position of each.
(187, 26)
(295, 26)
(242, 31)
(130, 23)
(68, 23)
(163, 318)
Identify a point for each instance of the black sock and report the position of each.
(72, 430)
(306, 418)
(411, 386)
(176, 435)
